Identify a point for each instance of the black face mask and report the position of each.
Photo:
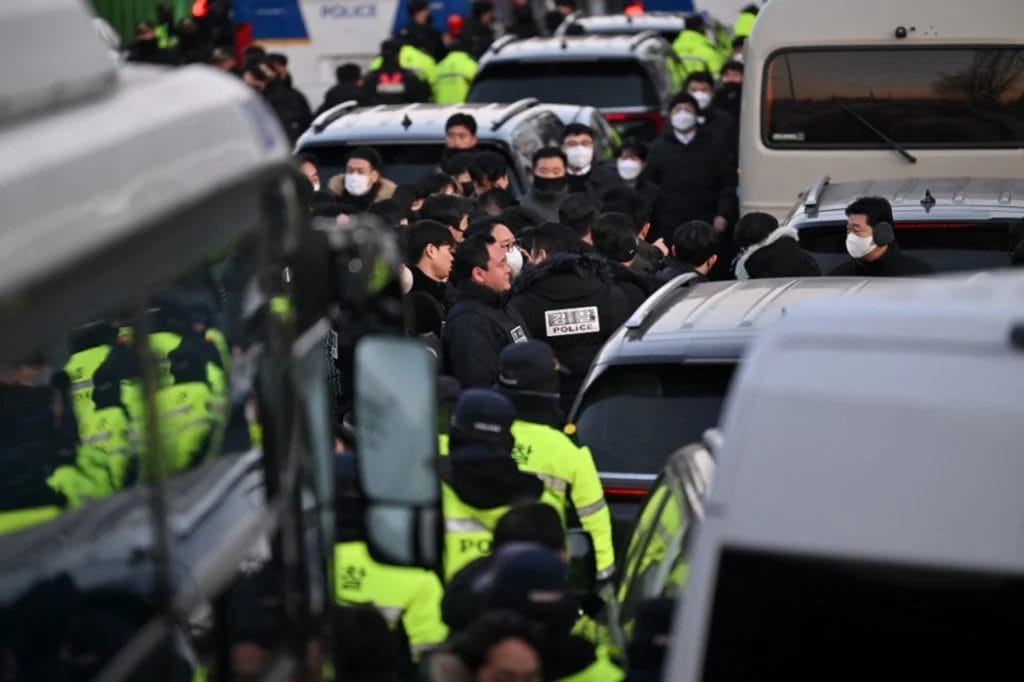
(468, 188)
(730, 90)
(550, 184)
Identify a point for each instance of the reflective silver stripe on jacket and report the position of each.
(559, 485)
(606, 573)
(465, 526)
(592, 508)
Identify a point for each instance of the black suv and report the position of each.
(950, 223)
(629, 78)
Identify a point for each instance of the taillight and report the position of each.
(656, 119)
(622, 494)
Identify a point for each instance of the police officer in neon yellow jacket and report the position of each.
(692, 42)
(454, 75)
(480, 481)
(529, 375)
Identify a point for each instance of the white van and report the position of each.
(866, 519)
(879, 89)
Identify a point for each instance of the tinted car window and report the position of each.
(925, 97)
(778, 617)
(634, 417)
(948, 246)
(599, 83)
(403, 163)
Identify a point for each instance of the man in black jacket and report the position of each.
(614, 239)
(695, 170)
(550, 183)
(769, 250)
(348, 86)
(694, 249)
(390, 83)
(568, 300)
(430, 251)
(871, 243)
(478, 326)
(289, 104)
(420, 33)
(585, 175)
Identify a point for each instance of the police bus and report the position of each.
(879, 90)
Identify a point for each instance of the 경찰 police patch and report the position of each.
(572, 321)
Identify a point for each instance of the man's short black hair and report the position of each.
(483, 225)
(348, 73)
(472, 645)
(578, 212)
(754, 228)
(549, 153)
(554, 238)
(739, 41)
(731, 65)
(481, 7)
(699, 77)
(463, 162)
(683, 97)
(577, 129)
(471, 253)
(534, 522)
(305, 157)
(446, 209)
(460, 119)
(278, 59)
(423, 233)
(492, 166)
(253, 69)
(368, 154)
(253, 52)
(635, 146)
(497, 198)
(435, 183)
(627, 200)
(694, 242)
(614, 237)
(520, 218)
(877, 209)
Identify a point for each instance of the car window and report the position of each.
(782, 617)
(634, 416)
(534, 133)
(403, 163)
(946, 246)
(603, 83)
(946, 97)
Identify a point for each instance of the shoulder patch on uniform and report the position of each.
(518, 335)
(570, 321)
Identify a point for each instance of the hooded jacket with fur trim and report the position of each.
(779, 255)
(570, 302)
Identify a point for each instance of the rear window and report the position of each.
(946, 246)
(970, 97)
(405, 163)
(634, 417)
(598, 83)
(786, 618)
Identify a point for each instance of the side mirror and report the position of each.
(582, 560)
(396, 435)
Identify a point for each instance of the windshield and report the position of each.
(969, 97)
(607, 84)
(946, 246)
(403, 163)
(634, 417)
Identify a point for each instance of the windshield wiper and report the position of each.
(893, 144)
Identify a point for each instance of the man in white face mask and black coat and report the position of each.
(695, 171)
(585, 175)
(568, 300)
(871, 243)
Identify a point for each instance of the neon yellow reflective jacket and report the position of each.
(601, 670)
(568, 471)
(410, 596)
(414, 59)
(455, 74)
(696, 44)
(744, 25)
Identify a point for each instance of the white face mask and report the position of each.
(703, 98)
(356, 184)
(316, 186)
(515, 260)
(579, 156)
(629, 169)
(683, 120)
(858, 247)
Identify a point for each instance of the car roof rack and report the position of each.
(640, 38)
(499, 44)
(655, 304)
(333, 114)
(517, 107)
(814, 193)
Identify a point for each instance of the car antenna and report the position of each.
(928, 200)
(406, 122)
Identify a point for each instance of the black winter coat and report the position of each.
(893, 263)
(635, 287)
(291, 107)
(570, 302)
(779, 255)
(426, 304)
(342, 92)
(672, 269)
(476, 328)
(697, 180)
(595, 182)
